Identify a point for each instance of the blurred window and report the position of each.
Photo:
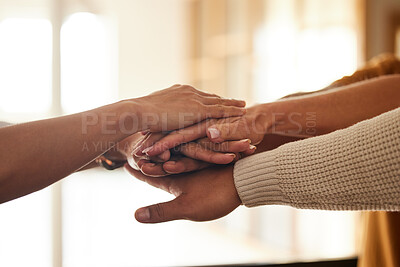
(25, 65)
(257, 50)
(25, 89)
(86, 69)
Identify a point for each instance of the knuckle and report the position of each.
(188, 88)
(159, 211)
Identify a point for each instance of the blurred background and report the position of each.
(64, 56)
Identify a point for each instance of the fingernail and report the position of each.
(231, 154)
(136, 151)
(170, 162)
(143, 215)
(246, 141)
(146, 150)
(150, 164)
(214, 133)
(252, 147)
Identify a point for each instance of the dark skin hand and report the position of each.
(200, 196)
(204, 195)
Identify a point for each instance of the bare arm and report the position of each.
(334, 109)
(37, 154)
(302, 116)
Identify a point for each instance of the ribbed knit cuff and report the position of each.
(257, 182)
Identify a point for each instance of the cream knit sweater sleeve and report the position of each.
(357, 168)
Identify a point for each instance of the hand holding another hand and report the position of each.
(196, 147)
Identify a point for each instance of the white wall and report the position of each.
(152, 47)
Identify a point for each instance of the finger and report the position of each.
(222, 101)
(206, 94)
(221, 111)
(227, 146)
(147, 142)
(163, 184)
(227, 131)
(153, 169)
(196, 151)
(150, 168)
(137, 146)
(178, 137)
(250, 151)
(199, 92)
(184, 164)
(163, 157)
(161, 212)
(141, 162)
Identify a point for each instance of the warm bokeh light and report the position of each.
(87, 70)
(111, 50)
(25, 65)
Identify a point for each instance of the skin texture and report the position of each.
(183, 105)
(336, 109)
(195, 149)
(302, 116)
(205, 195)
(54, 148)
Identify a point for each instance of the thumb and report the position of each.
(161, 212)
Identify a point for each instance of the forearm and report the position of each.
(357, 168)
(37, 154)
(324, 112)
(3, 124)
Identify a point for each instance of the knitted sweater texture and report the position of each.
(357, 168)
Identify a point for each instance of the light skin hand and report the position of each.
(198, 155)
(182, 105)
(190, 156)
(253, 126)
(201, 196)
(196, 149)
(128, 149)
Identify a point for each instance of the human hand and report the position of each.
(191, 156)
(129, 146)
(197, 152)
(201, 196)
(195, 156)
(227, 132)
(182, 105)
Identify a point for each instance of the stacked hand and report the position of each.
(214, 141)
(208, 147)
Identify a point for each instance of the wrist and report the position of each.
(130, 116)
(284, 117)
(263, 117)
